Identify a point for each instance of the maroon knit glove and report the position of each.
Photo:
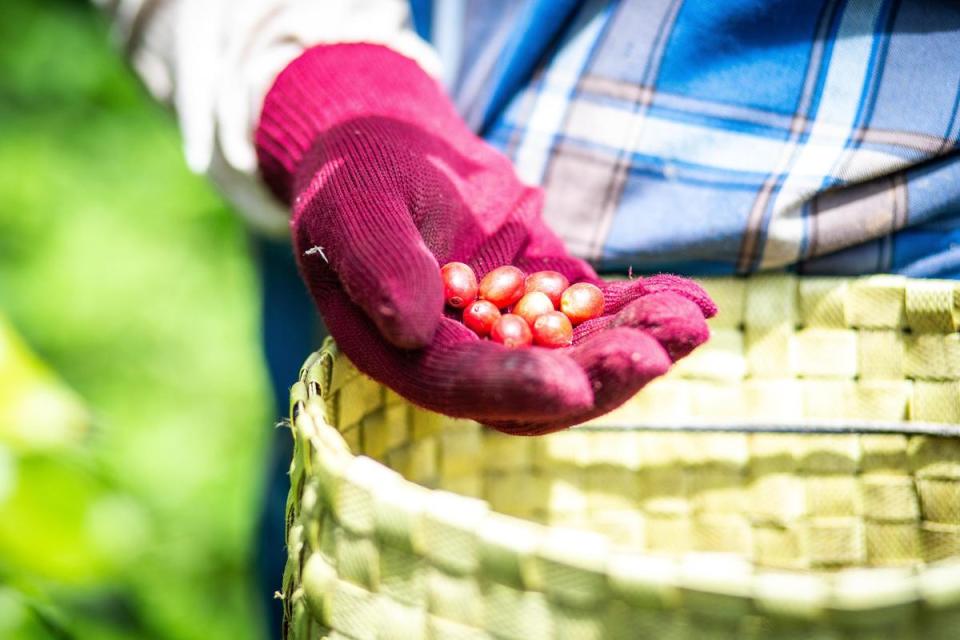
(386, 184)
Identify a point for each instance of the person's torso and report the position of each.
(722, 137)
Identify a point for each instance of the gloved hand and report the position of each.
(386, 183)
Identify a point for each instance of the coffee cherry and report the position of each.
(480, 316)
(511, 331)
(581, 302)
(552, 283)
(531, 306)
(553, 329)
(459, 284)
(503, 286)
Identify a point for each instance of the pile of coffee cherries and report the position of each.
(540, 309)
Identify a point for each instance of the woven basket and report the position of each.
(796, 477)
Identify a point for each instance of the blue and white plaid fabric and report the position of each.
(707, 137)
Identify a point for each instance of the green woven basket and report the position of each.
(796, 477)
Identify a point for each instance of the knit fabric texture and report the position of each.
(386, 183)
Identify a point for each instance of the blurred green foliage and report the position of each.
(132, 281)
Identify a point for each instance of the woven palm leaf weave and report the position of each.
(796, 477)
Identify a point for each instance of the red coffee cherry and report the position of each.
(503, 286)
(553, 330)
(511, 331)
(582, 301)
(459, 284)
(532, 305)
(480, 316)
(552, 283)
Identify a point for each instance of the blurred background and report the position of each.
(133, 401)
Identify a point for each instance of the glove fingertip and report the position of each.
(540, 383)
(684, 287)
(707, 306)
(400, 290)
(674, 320)
(621, 356)
(408, 321)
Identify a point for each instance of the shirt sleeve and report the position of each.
(213, 62)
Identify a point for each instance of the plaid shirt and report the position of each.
(708, 137)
